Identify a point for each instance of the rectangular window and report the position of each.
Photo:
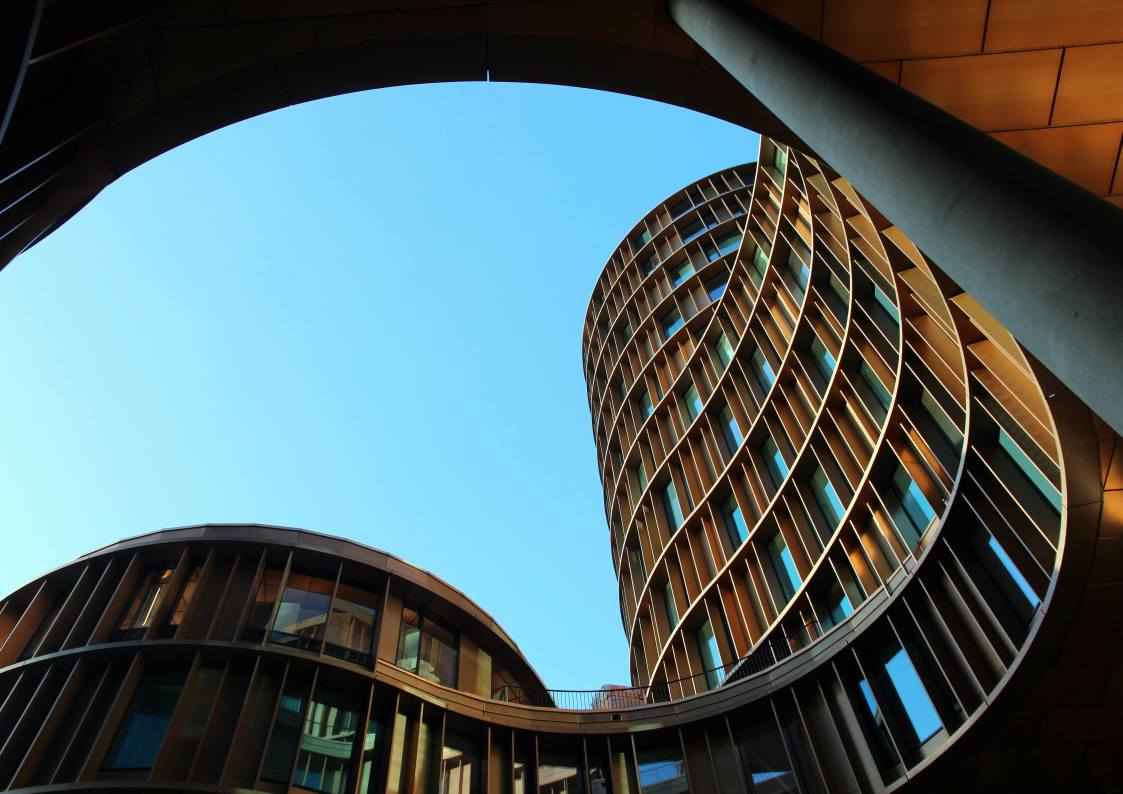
(1012, 569)
(642, 239)
(649, 266)
(763, 756)
(641, 475)
(262, 608)
(827, 497)
(730, 430)
(838, 604)
(623, 389)
(724, 350)
(180, 610)
(372, 750)
(1039, 481)
(303, 611)
(141, 730)
(140, 610)
(671, 506)
(763, 370)
(760, 263)
(734, 521)
(559, 773)
(784, 566)
(693, 402)
(873, 392)
(780, 160)
(627, 331)
(878, 722)
(351, 626)
(941, 420)
(635, 559)
(460, 765)
(427, 647)
(798, 274)
(887, 304)
(774, 462)
(324, 763)
(712, 254)
(280, 756)
(729, 243)
(914, 699)
(838, 297)
(716, 285)
(662, 771)
(669, 602)
(691, 230)
(711, 656)
(914, 514)
(681, 208)
(824, 361)
(645, 406)
(671, 322)
(681, 273)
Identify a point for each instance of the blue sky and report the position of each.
(360, 316)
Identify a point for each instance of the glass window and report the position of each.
(763, 757)
(141, 607)
(671, 322)
(460, 765)
(914, 514)
(711, 656)
(780, 160)
(427, 647)
(372, 749)
(730, 430)
(716, 285)
(798, 276)
(649, 266)
(1032, 473)
(838, 297)
(642, 239)
(887, 304)
(824, 361)
(734, 521)
(878, 722)
(681, 208)
(909, 689)
(559, 773)
(641, 475)
(760, 262)
(180, 609)
(691, 230)
(662, 770)
(729, 243)
(262, 608)
(635, 559)
(351, 626)
(827, 497)
(303, 611)
(784, 566)
(682, 272)
(693, 402)
(627, 331)
(873, 392)
(671, 506)
(774, 461)
(940, 418)
(763, 370)
(324, 763)
(622, 387)
(645, 406)
(141, 730)
(287, 730)
(1012, 569)
(838, 604)
(669, 602)
(724, 350)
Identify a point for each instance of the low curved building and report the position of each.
(864, 542)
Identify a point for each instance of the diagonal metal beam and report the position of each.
(1040, 253)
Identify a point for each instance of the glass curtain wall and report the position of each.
(427, 647)
(351, 626)
(330, 727)
(303, 611)
(141, 607)
(262, 608)
(146, 719)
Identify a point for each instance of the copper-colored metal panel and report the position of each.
(994, 92)
(1091, 85)
(1085, 154)
(877, 30)
(1018, 24)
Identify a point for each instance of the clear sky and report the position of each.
(360, 316)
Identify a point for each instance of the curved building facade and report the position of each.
(864, 542)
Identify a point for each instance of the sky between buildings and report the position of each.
(360, 316)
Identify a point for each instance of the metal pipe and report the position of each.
(1040, 253)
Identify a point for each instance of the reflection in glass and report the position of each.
(669, 603)
(662, 770)
(372, 747)
(827, 497)
(918, 706)
(784, 566)
(427, 647)
(351, 626)
(141, 607)
(724, 350)
(262, 608)
(177, 614)
(324, 762)
(711, 656)
(763, 757)
(763, 370)
(774, 461)
(730, 430)
(281, 753)
(142, 728)
(303, 611)
(671, 506)
(734, 521)
(693, 402)
(460, 765)
(559, 773)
